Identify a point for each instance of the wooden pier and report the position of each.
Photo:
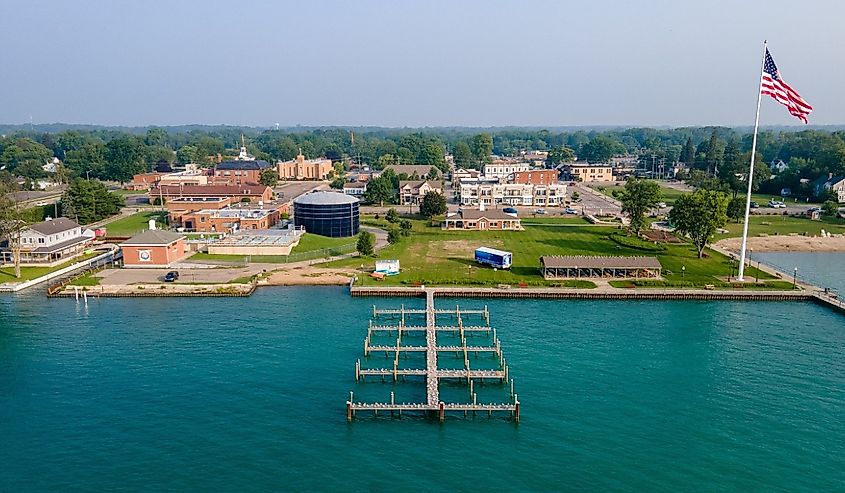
(432, 373)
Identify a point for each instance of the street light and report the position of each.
(683, 272)
(794, 277)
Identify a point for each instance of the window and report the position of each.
(40, 240)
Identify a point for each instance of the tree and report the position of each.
(394, 236)
(830, 208)
(392, 216)
(576, 196)
(698, 215)
(481, 147)
(188, 154)
(366, 243)
(736, 208)
(433, 204)
(688, 153)
(25, 157)
(89, 201)
(270, 177)
(433, 173)
(337, 183)
(405, 226)
(638, 198)
(462, 154)
(124, 158)
(600, 149)
(381, 190)
(13, 220)
(560, 154)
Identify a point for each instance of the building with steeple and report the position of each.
(305, 169)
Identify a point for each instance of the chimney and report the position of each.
(830, 175)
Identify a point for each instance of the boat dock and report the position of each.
(432, 373)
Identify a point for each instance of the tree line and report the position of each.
(113, 154)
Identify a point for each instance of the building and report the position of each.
(412, 192)
(51, 241)
(503, 169)
(153, 248)
(514, 194)
(234, 218)
(190, 176)
(143, 181)
(482, 220)
(355, 189)
(305, 169)
(588, 172)
(461, 173)
(778, 166)
(576, 267)
(332, 214)
(240, 172)
(238, 193)
(536, 177)
(179, 206)
(835, 184)
(258, 242)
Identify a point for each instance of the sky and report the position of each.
(415, 63)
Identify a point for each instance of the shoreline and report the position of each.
(785, 244)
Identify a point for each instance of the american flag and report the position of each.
(774, 85)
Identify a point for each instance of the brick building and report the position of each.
(153, 248)
(536, 177)
(238, 193)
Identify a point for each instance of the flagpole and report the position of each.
(751, 168)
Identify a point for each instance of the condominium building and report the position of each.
(536, 176)
(412, 192)
(503, 169)
(524, 194)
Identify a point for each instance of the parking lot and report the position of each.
(151, 276)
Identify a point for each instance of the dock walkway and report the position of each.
(432, 373)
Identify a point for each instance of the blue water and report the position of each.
(247, 394)
(822, 269)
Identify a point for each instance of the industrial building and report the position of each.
(333, 214)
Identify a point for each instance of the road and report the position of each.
(593, 201)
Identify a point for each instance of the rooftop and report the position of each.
(53, 226)
(473, 214)
(241, 165)
(323, 197)
(587, 262)
(154, 237)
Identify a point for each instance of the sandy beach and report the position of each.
(308, 275)
(786, 244)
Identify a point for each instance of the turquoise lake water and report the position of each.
(822, 269)
(248, 394)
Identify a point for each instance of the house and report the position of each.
(536, 177)
(414, 171)
(355, 189)
(235, 218)
(51, 241)
(588, 172)
(461, 173)
(304, 169)
(153, 248)
(482, 220)
(830, 183)
(238, 193)
(412, 192)
(143, 181)
(502, 169)
(240, 172)
(778, 166)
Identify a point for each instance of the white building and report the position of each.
(50, 241)
(355, 189)
(503, 169)
(515, 194)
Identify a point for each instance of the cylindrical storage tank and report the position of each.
(327, 213)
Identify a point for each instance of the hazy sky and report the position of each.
(423, 63)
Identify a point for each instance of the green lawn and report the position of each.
(126, 193)
(87, 280)
(784, 225)
(136, 223)
(433, 256)
(7, 274)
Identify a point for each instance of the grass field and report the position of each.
(131, 225)
(7, 274)
(432, 256)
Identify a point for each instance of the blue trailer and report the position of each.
(495, 258)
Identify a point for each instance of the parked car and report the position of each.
(570, 210)
(540, 211)
(510, 210)
(755, 205)
(661, 204)
(814, 209)
(776, 204)
(171, 276)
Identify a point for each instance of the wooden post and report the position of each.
(516, 409)
(348, 411)
(357, 370)
(511, 388)
(442, 411)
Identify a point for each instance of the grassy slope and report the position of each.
(131, 225)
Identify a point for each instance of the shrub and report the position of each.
(637, 243)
